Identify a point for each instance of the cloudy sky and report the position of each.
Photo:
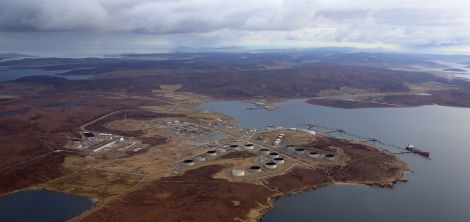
(410, 25)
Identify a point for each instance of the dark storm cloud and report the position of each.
(383, 21)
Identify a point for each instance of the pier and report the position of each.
(362, 139)
(334, 131)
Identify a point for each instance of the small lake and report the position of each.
(13, 74)
(438, 191)
(42, 206)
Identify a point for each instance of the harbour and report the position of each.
(437, 186)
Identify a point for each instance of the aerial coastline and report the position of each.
(118, 135)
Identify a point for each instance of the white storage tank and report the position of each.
(249, 146)
(264, 151)
(274, 155)
(299, 150)
(271, 165)
(188, 162)
(238, 172)
(313, 154)
(255, 169)
(278, 160)
(330, 157)
(211, 153)
(234, 147)
(311, 132)
(277, 142)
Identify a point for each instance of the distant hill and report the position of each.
(4, 56)
(454, 70)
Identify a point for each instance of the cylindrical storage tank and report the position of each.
(238, 172)
(311, 132)
(277, 142)
(299, 150)
(255, 169)
(188, 162)
(200, 159)
(330, 157)
(249, 146)
(271, 165)
(313, 154)
(211, 153)
(282, 134)
(274, 154)
(234, 147)
(221, 150)
(278, 160)
(264, 151)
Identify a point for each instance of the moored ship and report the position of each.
(413, 149)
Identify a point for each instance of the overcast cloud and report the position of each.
(406, 23)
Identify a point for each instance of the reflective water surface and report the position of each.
(438, 190)
(42, 206)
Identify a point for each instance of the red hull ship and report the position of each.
(412, 149)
